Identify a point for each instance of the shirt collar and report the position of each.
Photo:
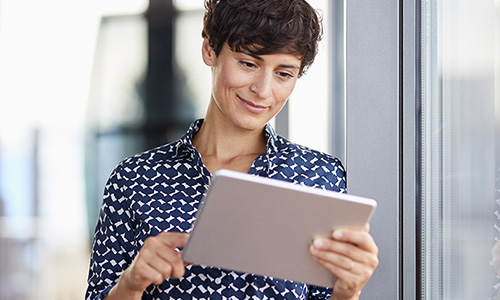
(186, 141)
(271, 138)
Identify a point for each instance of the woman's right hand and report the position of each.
(157, 261)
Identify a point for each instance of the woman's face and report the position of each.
(248, 90)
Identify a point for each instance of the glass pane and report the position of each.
(460, 148)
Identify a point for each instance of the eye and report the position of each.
(247, 64)
(285, 75)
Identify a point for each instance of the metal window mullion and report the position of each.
(433, 218)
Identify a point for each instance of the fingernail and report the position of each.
(337, 235)
(318, 243)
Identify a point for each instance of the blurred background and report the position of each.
(84, 84)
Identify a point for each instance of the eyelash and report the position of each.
(247, 64)
(285, 74)
(252, 65)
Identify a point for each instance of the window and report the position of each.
(460, 148)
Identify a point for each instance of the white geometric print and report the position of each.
(160, 190)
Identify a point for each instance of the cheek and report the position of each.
(284, 92)
(227, 78)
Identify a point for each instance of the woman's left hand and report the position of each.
(351, 255)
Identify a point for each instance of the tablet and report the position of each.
(265, 226)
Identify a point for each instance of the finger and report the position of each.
(160, 253)
(169, 262)
(347, 280)
(362, 239)
(366, 228)
(346, 249)
(173, 239)
(333, 258)
(177, 264)
(496, 249)
(169, 255)
(161, 266)
(168, 265)
(161, 275)
(143, 272)
(330, 250)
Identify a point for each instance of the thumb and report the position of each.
(173, 239)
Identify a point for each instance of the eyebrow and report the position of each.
(260, 58)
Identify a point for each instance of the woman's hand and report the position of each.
(351, 256)
(157, 260)
(495, 257)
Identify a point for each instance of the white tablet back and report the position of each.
(265, 226)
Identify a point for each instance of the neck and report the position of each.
(224, 142)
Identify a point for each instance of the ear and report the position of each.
(208, 53)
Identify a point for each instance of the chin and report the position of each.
(251, 124)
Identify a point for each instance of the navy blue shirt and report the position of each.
(160, 190)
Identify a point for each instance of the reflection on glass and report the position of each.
(460, 84)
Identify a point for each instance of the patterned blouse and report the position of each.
(160, 190)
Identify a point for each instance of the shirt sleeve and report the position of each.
(112, 248)
(316, 293)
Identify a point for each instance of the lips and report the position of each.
(253, 108)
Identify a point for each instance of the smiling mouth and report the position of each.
(251, 104)
(253, 108)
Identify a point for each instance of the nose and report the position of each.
(262, 85)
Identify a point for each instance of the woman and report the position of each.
(256, 50)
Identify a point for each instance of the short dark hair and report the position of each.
(264, 27)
